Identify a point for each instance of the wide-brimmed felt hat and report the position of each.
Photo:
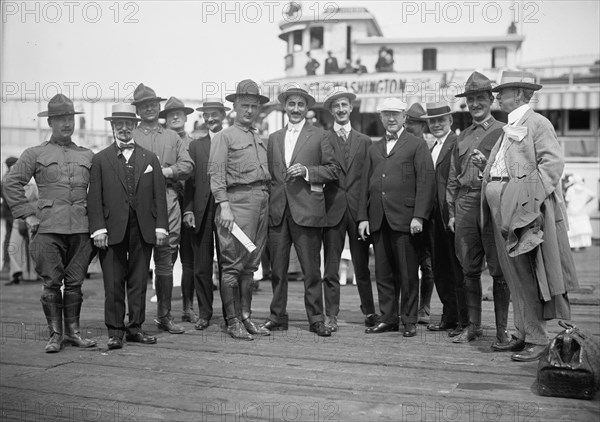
(477, 82)
(173, 104)
(59, 105)
(247, 87)
(212, 103)
(391, 104)
(517, 79)
(310, 100)
(143, 94)
(338, 92)
(436, 109)
(123, 111)
(415, 112)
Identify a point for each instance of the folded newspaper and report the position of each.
(241, 236)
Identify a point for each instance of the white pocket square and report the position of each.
(148, 169)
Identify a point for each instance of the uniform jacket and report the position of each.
(533, 211)
(344, 193)
(62, 175)
(306, 200)
(400, 185)
(108, 201)
(198, 197)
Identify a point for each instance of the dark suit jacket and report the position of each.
(306, 201)
(401, 185)
(442, 169)
(198, 197)
(331, 66)
(108, 204)
(344, 193)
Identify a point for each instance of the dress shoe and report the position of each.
(456, 331)
(166, 324)
(423, 318)
(252, 328)
(530, 353)
(371, 320)
(201, 324)
(141, 337)
(238, 331)
(331, 322)
(320, 329)
(76, 340)
(382, 327)
(440, 326)
(115, 343)
(514, 345)
(55, 343)
(502, 340)
(275, 326)
(468, 334)
(189, 316)
(410, 330)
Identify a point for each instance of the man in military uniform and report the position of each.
(61, 247)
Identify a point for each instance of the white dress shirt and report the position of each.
(347, 128)
(389, 145)
(291, 137)
(439, 143)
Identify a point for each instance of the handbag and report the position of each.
(570, 366)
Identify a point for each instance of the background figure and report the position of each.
(348, 68)
(331, 64)
(577, 197)
(360, 68)
(311, 64)
(8, 219)
(21, 265)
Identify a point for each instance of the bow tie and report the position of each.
(125, 145)
(516, 133)
(292, 129)
(391, 137)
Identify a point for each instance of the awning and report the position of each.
(292, 28)
(583, 98)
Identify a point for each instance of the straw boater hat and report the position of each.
(143, 94)
(477, 82)
(123, 111)
(247, 87)
(391, 104)
(517, 79)
(59, 105)
(310, 100)
(415, 112)
(437, 109)
(338, 92)
(174, 104)
(212, 103)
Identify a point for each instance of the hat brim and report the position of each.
(310, 100)
(186, 110)
(211, 107)
(70, 113)
(145, 100)
(328, 101)
(414, 119)
(427, 117)
(111, 118)
(525, 85)
(474, 91)
(261, 98)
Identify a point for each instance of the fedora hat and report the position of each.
(247, 87)
(174, 104)
(144, 93)
(477, 82)
(517, 79)
(212, 103)
(437, 109)
(310, 100)
(391, 104)
(415, 112)
(123, 111)
(338, 92)
(59, 105)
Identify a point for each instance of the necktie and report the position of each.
(342, 133)
(126, 145)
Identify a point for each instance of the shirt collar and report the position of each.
(486, 124)
(347, 127)
(443, 138)
(212, 134)
(516, 115)
(146, 128)
(398, 134)
(55, 142)
(298, 126)
(244, 128)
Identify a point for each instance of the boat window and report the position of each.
(579, 120)
(297, 40)
(498, 57)
(316, 37)
(429, 59)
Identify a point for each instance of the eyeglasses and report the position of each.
(119, 124)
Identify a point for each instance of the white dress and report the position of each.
(580, 228)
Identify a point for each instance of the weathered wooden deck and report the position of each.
(290, 376)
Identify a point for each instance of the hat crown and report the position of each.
(338, 92)
(212, 103)
(437, 109)
(517, 76)
(310, 100)
(174, 102)
(415, 111)
(144, 93)
(59, 105)
(478, 82)
(122, 111)
(247, 87)
(391, 104)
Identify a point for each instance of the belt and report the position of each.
(467, 189)
(500, 179)
(261, 184)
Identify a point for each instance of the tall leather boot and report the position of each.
(187, 294)
(164, 291)
(72, 308)
(473, 297)
(246, 288)
(501, 305)
(53, 309)
(232, 304)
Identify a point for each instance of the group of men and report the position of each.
(488, 194)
